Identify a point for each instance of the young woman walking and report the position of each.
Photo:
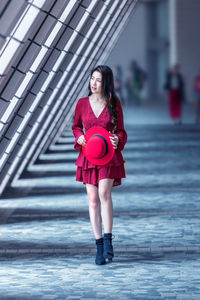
(100, 137)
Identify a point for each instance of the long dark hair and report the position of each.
(108, 91)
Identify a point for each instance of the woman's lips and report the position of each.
(93, 88)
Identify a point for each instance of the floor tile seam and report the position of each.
(83, 250)
(64, 184)
(116, 214)
(160, 188)
(47, 190)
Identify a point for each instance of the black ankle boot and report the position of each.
(99, 257)
(108, 248)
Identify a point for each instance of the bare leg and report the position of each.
(94, 210)
(105, 187)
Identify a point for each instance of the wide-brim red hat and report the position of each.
(99, 149)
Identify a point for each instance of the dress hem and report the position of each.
(116, 182)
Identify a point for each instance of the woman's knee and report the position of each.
(92, 193)
(105, 188)
(104, 195)
(93, 200)
(94, 203)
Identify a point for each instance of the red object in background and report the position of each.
(175, 104)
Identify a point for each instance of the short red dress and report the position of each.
(175, 103)
(84, 119)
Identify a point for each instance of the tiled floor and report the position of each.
(47, 248)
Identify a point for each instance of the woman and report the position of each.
(174, 85)
(101, 108)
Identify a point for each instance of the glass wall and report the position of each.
(158, 46)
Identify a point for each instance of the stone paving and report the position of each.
(47, 248)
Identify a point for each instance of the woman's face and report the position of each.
(96, 83)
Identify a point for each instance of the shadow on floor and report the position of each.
(80, 252)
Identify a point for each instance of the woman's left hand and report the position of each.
(114, 140)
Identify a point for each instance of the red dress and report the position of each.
(175, 103)
(85, 118)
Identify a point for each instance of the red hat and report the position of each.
(99, 149)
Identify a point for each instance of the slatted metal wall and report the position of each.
(46, 50)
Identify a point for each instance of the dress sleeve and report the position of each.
(77, 127)
(120, 131)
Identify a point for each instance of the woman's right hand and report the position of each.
(81, 140)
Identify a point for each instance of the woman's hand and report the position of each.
(81, 140)
(114, 140)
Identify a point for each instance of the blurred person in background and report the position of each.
(135, 82)
(197, 96)
(174, 85)
(118, 77)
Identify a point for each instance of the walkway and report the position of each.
(47, 248)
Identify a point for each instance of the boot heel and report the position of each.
(108, 248)
(108, 256)
(100, 260)
(110, 259)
